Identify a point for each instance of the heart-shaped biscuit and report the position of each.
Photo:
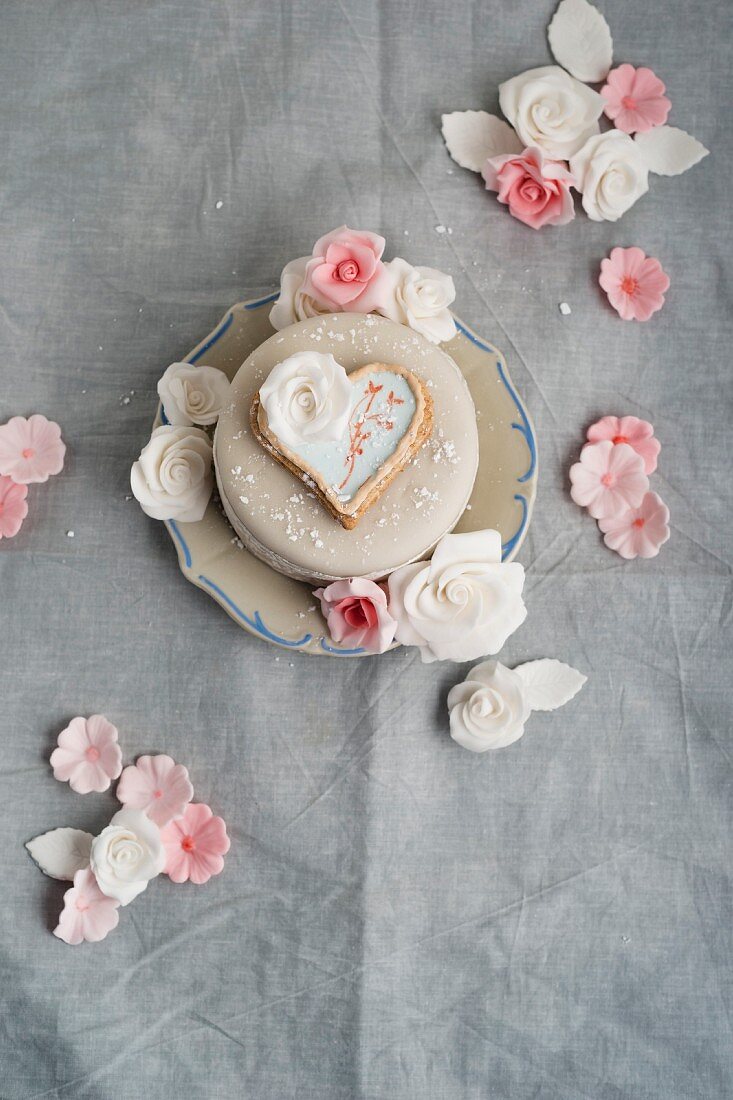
(391, 417)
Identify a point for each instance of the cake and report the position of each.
(343, 453)
(278, 513)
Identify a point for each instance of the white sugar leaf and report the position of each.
(61, 852)
(548, 684)
(668, 151)
(474, 136)
(581, 40)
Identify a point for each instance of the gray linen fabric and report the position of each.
(398, 918)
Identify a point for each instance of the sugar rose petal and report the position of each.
(195, 845)
(88, 756)
(157, 786)
(31, 450)
(462, 604)
(13, 507)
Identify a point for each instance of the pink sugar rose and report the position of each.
(88, 914)
(639, 532)
(609, 479)
(345, 264)
(635, 99)
(536, 189)
(639, 434)
(635, 283)
(157, 786)
(88, 756)
(31, 450)
(357, 614)
(13, 507)
(194, 845)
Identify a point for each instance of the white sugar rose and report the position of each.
(551, 109)
(462, 604)
(611, 173)
(126, 855)
(488, 710)
(293, 305)
(419, 297)
(193, 395)
(172, 479)
(307, 399)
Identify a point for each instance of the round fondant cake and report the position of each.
(379, 496)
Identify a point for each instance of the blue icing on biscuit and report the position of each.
(382, 410)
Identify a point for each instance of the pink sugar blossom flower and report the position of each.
(88, 756)
(194, 845)
(609, 479)
(635, 99)
(639, 434)
(13, 507)
(535, 188)
(357, 614)
(31, 450)
(157, 786)
(88, 914)
(635, 283)
(640, 532)
(345, 264)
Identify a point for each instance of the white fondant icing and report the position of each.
(308, 399)
(490, 708)
(278, 517)
(127, 855)
(193, 394)
(463, 603)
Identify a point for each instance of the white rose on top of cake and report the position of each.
(345, 452)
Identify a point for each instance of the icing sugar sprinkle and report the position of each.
(443, 450)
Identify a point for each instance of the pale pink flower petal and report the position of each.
(157, 786)
(13, 507)
(639, 434)
(635, 99)
(536, 189)
(88, 914)
(195, 844)
(31, 450)
(609, 478)
(638, 532)
(357, 615)
(635, 283)
(88, 756)
(345, 264)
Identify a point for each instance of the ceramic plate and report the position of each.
(283, 611)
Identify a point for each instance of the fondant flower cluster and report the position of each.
(158, 830)
(490, 708)
(30, 452)
(346, 273)
(611, 480)
(172, 478)
(462, 604)
(553, 141)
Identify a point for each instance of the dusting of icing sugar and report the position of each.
(443, 450)
(423, 498)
